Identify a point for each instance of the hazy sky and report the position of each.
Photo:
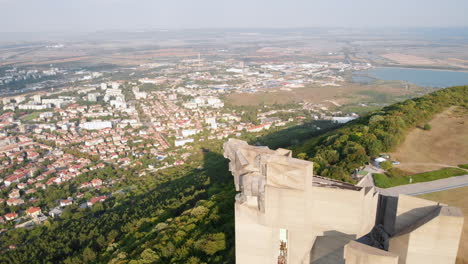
(92, 15)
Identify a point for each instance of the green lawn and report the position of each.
(384, 181)
(30, 117)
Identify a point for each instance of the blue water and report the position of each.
(421, 77)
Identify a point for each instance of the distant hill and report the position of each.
(337, 153)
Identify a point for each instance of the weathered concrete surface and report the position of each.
(277, 192)
(426, 232)
(357, 253)
(411, 209)
(329, 248)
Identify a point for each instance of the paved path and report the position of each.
(426, 187)
(428, 164)
(366, 181)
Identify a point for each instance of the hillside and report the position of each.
(337, 153)
(444, 145)
(182, 215)
(185, 215)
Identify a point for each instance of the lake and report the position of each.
(421, 77)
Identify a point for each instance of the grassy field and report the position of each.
(30, 117)
(446, 144)
(459, 198)
(384, 181)
(385, 93)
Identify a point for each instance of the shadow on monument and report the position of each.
(329, 248)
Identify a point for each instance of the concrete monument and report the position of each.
(285, 214)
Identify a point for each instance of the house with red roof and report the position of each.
(11, 216)
(96, 199)
(14, 201)
(96, 182)
(179, 162)
(15, 193)
(40, 185)
(85, 185)
(14, 178)
(51, 181)
(259, 127)
(30, 191)
(33, 211)
(64, 203)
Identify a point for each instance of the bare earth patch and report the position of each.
(445, 145)
(459, 198)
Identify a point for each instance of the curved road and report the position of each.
(426, 187)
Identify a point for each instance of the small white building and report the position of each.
(343, 119)
(96, 125)
(189, 132)
(181, 142)
(379, 160)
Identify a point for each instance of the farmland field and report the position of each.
(382, 93)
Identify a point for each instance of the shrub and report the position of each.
(396, 172)
(427, 127)
(386, 165)
(211, 243)
(149, 256)
(199, 211)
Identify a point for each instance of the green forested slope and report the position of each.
(186, 214)
(181, 215)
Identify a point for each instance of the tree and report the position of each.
(97, 207)
(112, 236)
(194, 260)
(101, 241)
(338, 173)
(199, 211)
(372, 144)
(329, 155)
(89, 255)
(149, 256)
(211, 243)
(302, 155)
